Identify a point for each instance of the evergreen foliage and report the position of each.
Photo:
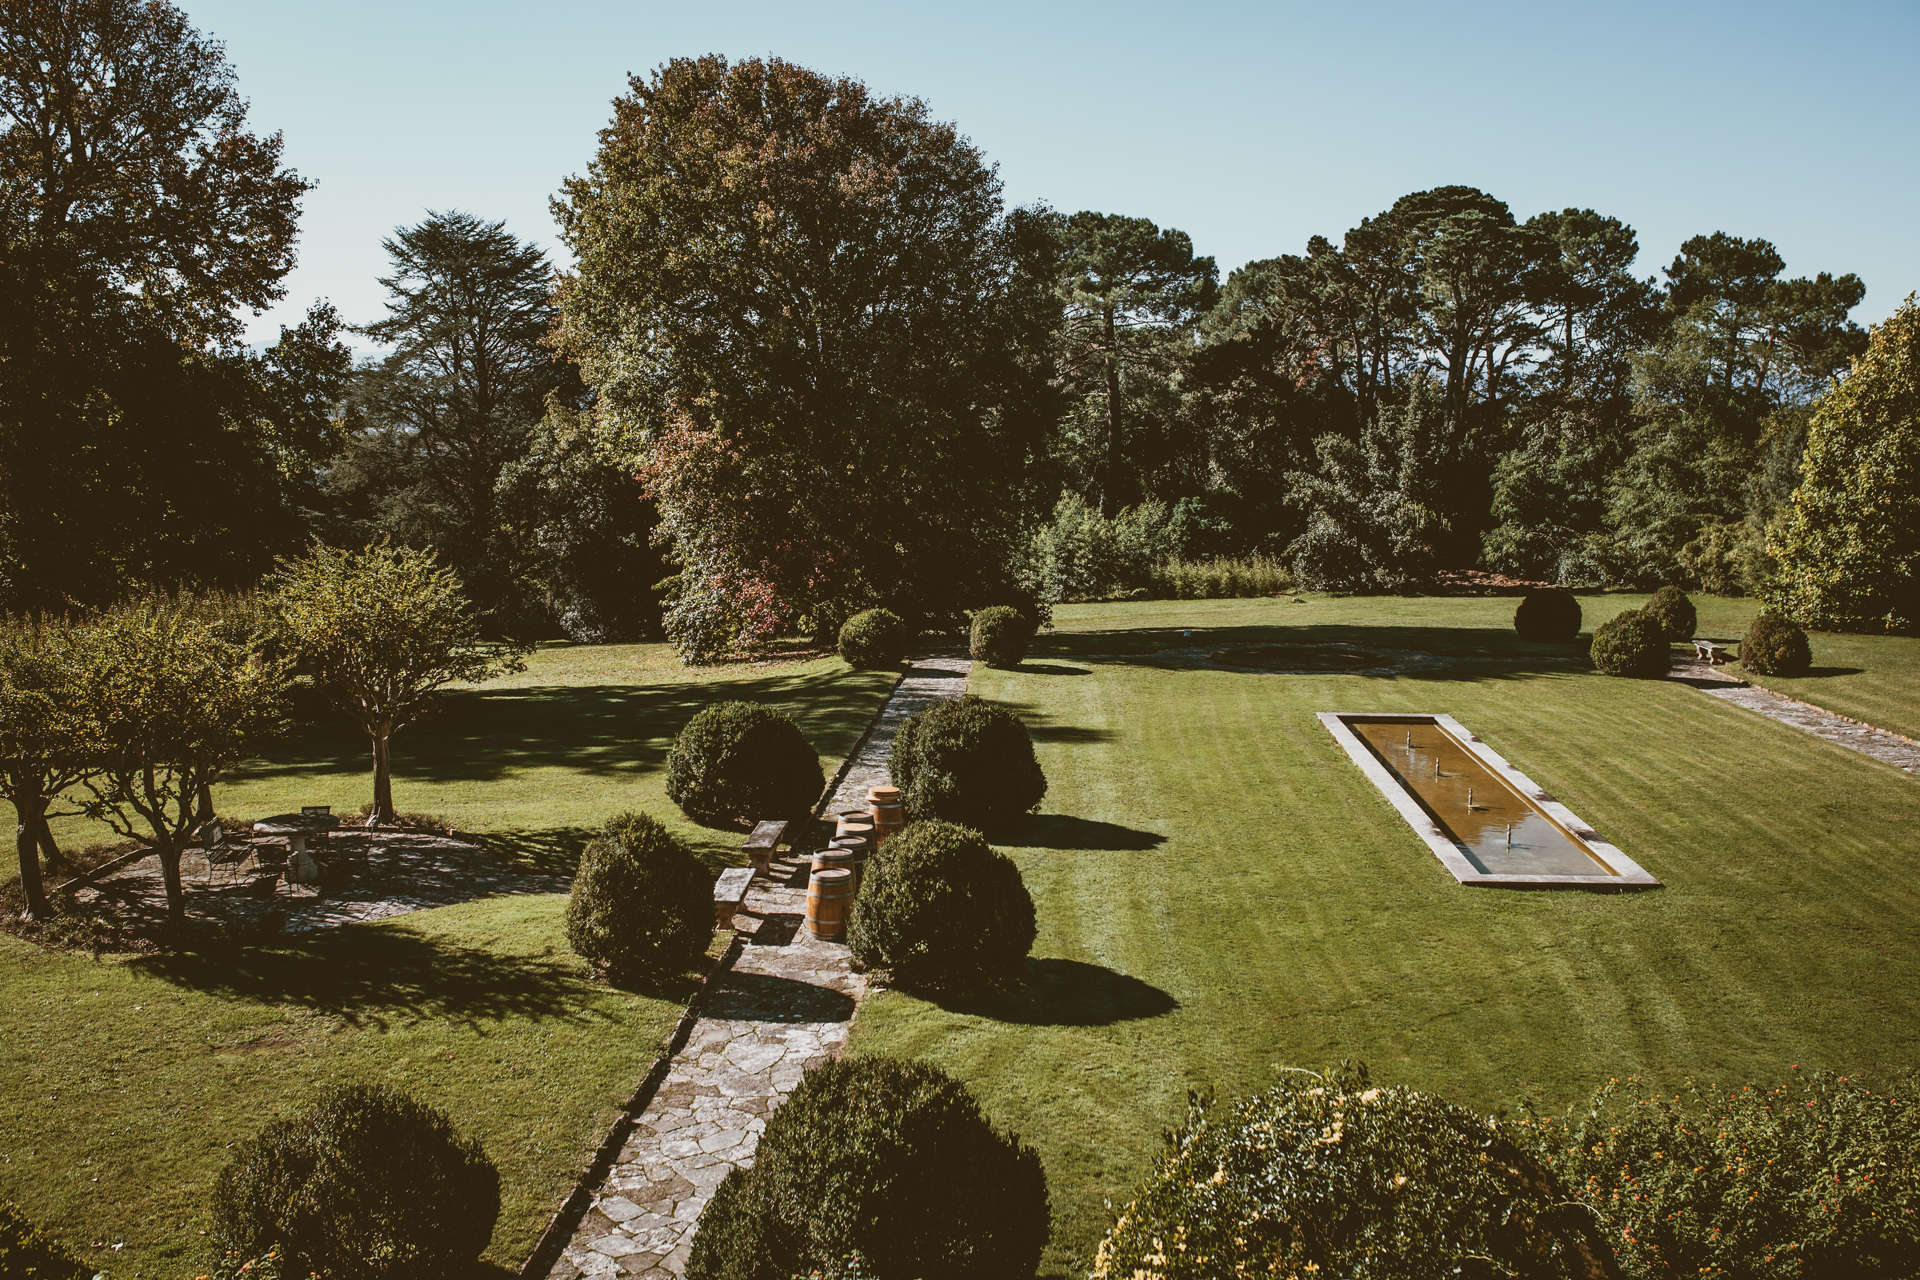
(887, 1158)
(1000, 636)
(967, 761)
(1549, 616)
(1849, 550)
(1334, 1176)
(366, 1183)
(1774, 646)
(641, 903)
(874, 639)
(738, 762)
(1820, 1177)
(1675, 613)
(1632, 644)
(940, 909)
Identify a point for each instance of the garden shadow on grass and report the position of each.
(374, 977)
(1059, 831)
(552, 851)
(1065, 993)
(1051, 669)
(1477, 653)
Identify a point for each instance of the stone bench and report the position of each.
(759, 847)
(730, 894)
(1709, 652)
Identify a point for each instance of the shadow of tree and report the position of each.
(1065, 993)
(375, 977)
(1051, 669)
(1059, 831)
(553, 851)
(764, 997)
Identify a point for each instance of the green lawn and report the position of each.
(127, 1079)
(1221, 894)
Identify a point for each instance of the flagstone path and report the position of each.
(785, 1005)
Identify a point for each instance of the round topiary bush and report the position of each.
(1001, 636)
(1674, 612)
(27, 1253)
(366, 1183)
(641, 903)
(1550, 616)
(1632, 644)
(886, 1158)
(738, 762)
(940, 908)
(874, 640)
(1337, 1178)
(968, 761)
(1775, 646)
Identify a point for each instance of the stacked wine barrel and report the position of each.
(886, 811)
(838, 868)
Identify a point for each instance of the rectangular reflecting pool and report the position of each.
(1487, 823)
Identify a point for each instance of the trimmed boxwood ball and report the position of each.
(941, 909)
(1674, 612)
(1335, 1177)
(1001, 636)
(887, 1158)
(1632, 644)
(968, 761)
(368, 1182)
(1550, 616)
(1775, 646)
(874, 640)
(641, 902)
(738, 762)
(30, 1255)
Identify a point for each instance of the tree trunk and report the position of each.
(170, 876)
(204, 809)
(27, 845)
(1109, 506)
(382, 781)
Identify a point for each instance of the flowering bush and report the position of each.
(1820, 1177)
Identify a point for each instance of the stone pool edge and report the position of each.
(1628, 874)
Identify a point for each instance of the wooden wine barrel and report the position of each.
(829, 891)
(832, 857)
(883, 795)
(862, 828)
(858, 847)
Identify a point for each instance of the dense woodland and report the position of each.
(807, 361)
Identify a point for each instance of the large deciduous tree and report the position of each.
(126, 145)
(808, 309)
(457, 397)
(382, 630)
(175, 696)
(1849, 549)
(1133, 293)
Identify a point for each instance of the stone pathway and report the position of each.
(1901, 753)
(785, 1005)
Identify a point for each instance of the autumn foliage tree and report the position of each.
(811, 313)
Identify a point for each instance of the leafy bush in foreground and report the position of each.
(26, 1253)
(941, 908)
(641, 903)
(1674, 612)
(1774, 646)
(888, 1158)
(367, 1183)
(968, 761)
(738, 762)
(1632, 644)
(874, 639)
(1001, 636)
(1334, 1177)
(1549, 616)
(1819, 1178)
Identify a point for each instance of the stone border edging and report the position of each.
(86, 878)
(1827, 711)
(566, 1220)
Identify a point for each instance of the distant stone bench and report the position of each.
(760, 845)
(730, 894)
(1709, 652)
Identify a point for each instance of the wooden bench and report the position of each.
(730, 894)
(759, 847)
(1709, 651)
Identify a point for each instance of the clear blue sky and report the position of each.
(1249, 126)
